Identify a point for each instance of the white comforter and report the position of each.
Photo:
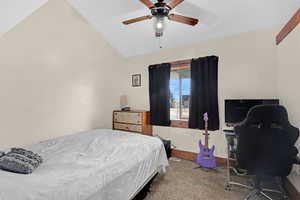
(94, 165)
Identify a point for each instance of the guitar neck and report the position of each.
(206, 135)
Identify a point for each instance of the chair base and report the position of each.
(256, 190)
(263, 192)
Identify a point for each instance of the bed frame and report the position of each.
(135, 195)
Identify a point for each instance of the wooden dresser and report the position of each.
(132, 121)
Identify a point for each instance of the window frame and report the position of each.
(180, 65)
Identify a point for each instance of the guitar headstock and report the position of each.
(205, 117)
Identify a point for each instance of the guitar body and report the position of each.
(206, 157)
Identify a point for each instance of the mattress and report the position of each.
(98, 164)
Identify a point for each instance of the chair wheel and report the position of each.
(227, 187)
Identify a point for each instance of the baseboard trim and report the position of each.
(292, 191)
(221, 162)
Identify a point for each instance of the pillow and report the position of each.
(20, 161)
(28, 154)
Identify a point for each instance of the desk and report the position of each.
(231, 139)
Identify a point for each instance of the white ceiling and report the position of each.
(13, 12)
(218, 18)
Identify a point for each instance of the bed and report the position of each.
(93, 165)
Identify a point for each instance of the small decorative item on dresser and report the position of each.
(132, 121)
(136, 80)
(124, 103)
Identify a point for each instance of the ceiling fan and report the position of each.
(160, 11)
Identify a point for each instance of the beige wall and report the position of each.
(246, 70)
(54, 75)
(59, 76)
(289, 82)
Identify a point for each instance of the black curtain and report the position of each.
(204, 93)
(159, 80)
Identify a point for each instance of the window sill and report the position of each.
(179, 123)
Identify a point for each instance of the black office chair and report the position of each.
(266, 147)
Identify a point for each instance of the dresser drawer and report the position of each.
(128, 127)
(128, 117)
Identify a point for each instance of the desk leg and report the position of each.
(229, 183)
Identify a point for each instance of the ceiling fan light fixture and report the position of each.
(159, 24)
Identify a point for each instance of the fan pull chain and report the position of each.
(159, 39)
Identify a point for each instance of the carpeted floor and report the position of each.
(183, 182)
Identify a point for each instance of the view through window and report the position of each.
(180, 86)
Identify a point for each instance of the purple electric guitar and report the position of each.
(206, 156)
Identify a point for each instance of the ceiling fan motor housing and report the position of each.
(160, 9)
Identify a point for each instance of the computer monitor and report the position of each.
(236, 110)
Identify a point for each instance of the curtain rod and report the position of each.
(180, 62)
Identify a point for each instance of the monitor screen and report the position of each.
(236, 110)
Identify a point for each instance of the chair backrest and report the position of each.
(266, 141)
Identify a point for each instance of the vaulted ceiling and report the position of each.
(218, 18)
(13, 12)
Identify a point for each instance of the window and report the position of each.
(180, 85)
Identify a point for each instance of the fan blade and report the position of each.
(172, 4)
(183, 19)
(148, 3)
(131, 21)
